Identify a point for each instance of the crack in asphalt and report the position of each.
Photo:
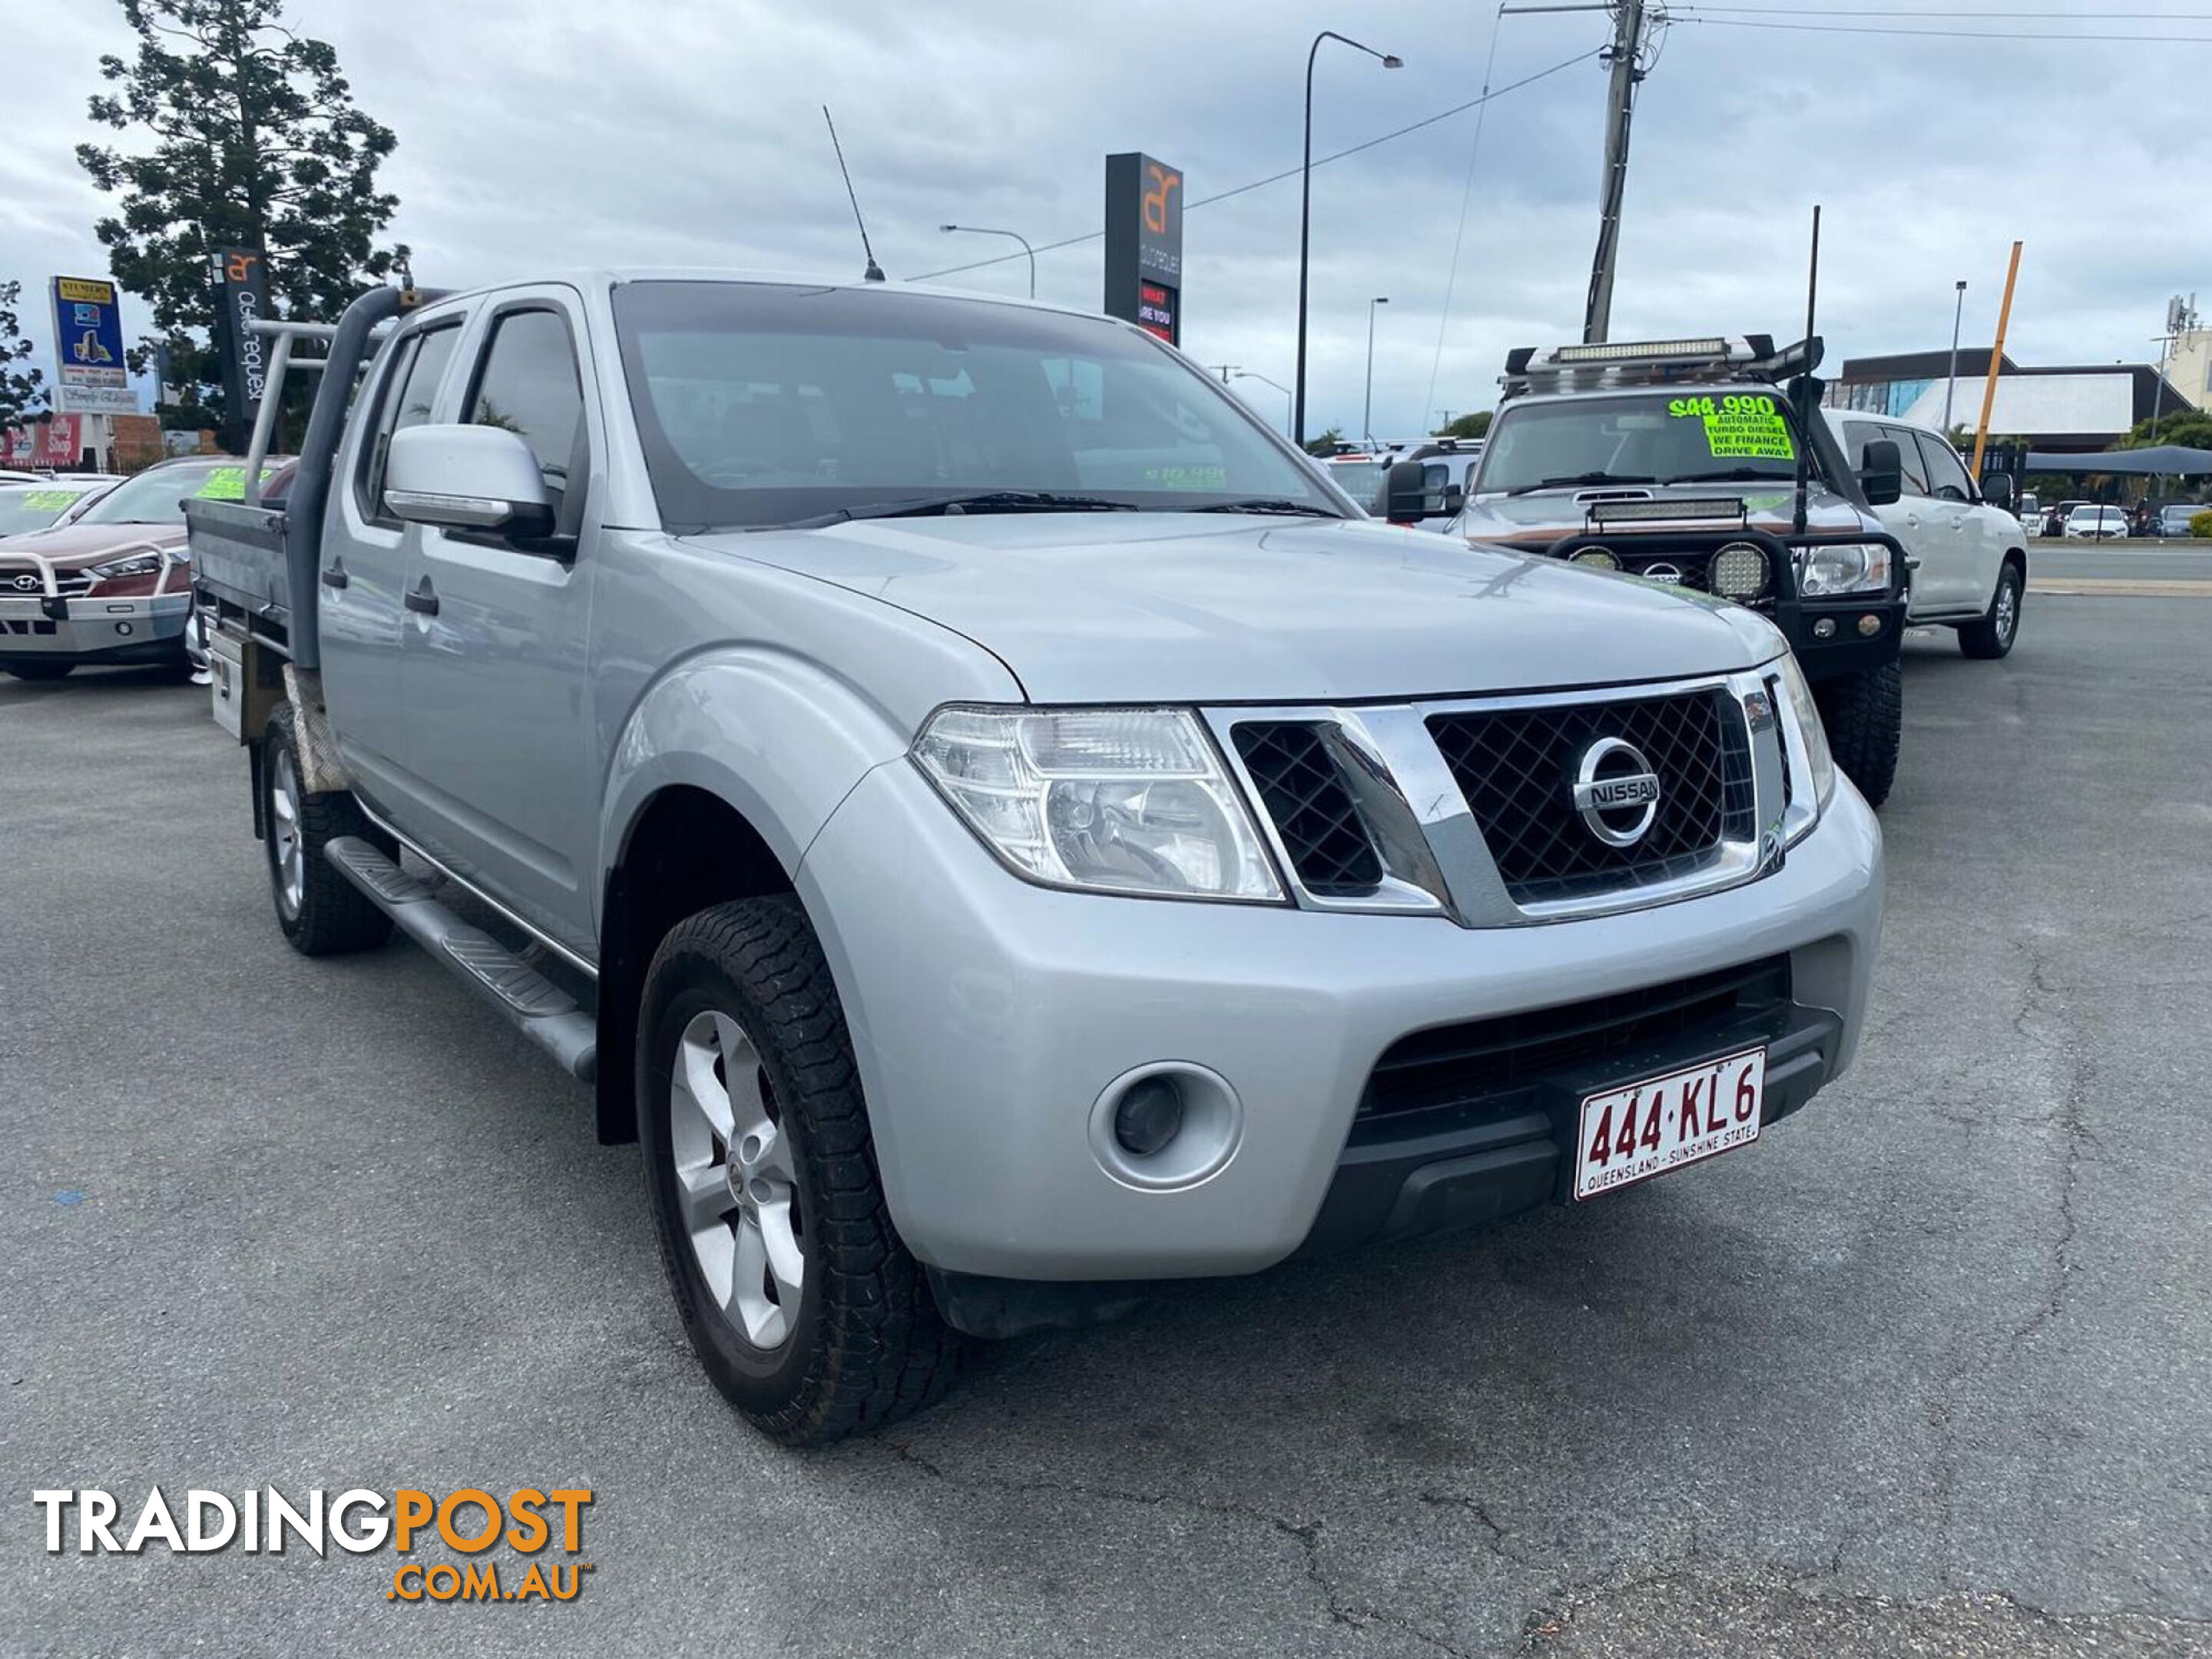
(2078, 1070)
(1306, 1536)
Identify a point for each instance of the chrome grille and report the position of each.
(68, 583)
(1517, 766)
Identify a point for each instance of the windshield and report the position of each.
(1654, 437)
(1361, 480)
(35, 507)
(762, 405)
(156, 496)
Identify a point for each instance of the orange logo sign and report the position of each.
(1155, 198)
(239, 267)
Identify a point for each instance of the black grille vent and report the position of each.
(1516, 768)
(1312, 810)
(1487, 1070)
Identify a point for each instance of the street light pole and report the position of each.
(980, 230)
(1246, 374)
(1367, 408)
(1951, 384)
(1305, 218)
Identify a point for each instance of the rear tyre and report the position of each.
(1865, 717)
(1993, 637)
(32, 669)
(322, 913)
(799, 1297)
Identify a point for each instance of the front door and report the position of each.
(366, 548)
(496, 663)
(1965, 553)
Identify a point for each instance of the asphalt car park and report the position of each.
(1923, 1370)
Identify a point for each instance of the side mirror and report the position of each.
(1405, 493)
(467, 477)
(1997, 491)
(1881, 472)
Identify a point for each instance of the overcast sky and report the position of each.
(689, 132)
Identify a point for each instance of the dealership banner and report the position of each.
(241, 279)
(90, 375)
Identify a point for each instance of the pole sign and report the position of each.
(241, 279)
(1144, 244)
(90, 375)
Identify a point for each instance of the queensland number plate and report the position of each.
(1662, 1123)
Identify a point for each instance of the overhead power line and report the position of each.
(1192, 205)
(1682, 17)
(2004, 16)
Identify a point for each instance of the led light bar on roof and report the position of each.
(1642, 350)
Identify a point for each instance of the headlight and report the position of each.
(138, 564)
(1596, 557)
(1812, 736)
(1843, 567)
(1123, 800)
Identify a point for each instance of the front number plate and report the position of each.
(1663, 1123)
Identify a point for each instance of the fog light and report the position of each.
(1825, 628)
(1738, 571)
(1869, 626)
(1596, 557)
(1149, 1116)
(123, 628)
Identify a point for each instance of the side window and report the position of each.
(1858, 434)
(1946, 472)
(408, 393)
(1915, 470)
(528, 384)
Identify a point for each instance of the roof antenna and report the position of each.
(874, 273)
(1807, 387)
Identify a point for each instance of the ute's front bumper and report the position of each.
(95, 628)
(990, 1017)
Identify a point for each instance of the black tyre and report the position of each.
(798, 1298)
(320, 911)
(1864, 716)
(1993, 637)
(35, 669)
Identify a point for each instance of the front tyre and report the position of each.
(1993, 637)
(799, 1297)
(322, 913)
(1865, 717)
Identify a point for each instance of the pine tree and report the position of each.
(23, 391)
(254, 142)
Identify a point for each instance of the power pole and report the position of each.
(1620, 105)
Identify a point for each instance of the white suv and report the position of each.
(1968, 559)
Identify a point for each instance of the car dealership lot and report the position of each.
(1925, 1364)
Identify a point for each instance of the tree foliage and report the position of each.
(1474, 425)
(23, 391)
(245, 135)
(2189, 427)
(1324, 443)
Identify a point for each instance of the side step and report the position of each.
(531, 1003)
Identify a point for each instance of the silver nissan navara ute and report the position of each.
(993, 822)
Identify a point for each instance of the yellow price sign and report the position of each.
(51, 501)
(1748, 425)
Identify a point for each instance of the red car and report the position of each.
(114, 586)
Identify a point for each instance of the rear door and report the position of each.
(496, 669)
(365, 555)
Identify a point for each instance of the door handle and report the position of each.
(334, 575)
(423, 598)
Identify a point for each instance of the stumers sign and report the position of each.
(1144, 244)
(241, 279)
(90, 376)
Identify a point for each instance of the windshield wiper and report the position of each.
(1264, 504)
(1574, 478)
(990, 501)
(1731, 475)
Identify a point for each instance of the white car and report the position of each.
(1968, 559)
(2096, 524)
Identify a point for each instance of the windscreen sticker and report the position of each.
(1739, 426)
(228, 483)
(1187, 477)
(51, 501)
